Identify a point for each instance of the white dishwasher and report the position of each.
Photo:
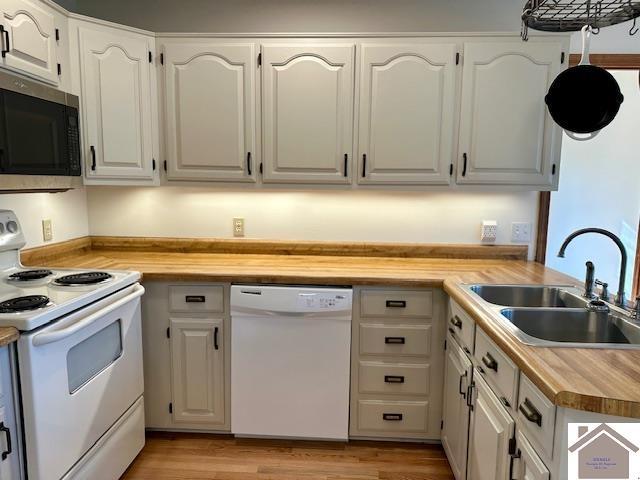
(290, 361)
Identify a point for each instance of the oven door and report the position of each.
(78, 375)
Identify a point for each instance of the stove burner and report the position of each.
(29, 275)
(84, 278)
(22, 304)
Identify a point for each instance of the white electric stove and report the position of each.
(79, 359)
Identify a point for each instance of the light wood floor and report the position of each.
(200, 456)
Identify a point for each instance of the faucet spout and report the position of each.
(620, 300)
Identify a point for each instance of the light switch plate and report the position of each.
(520, 232)
(238, 227)
(47, 230)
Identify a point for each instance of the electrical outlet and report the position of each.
(238, 227)
(47, 230)
(489, 231)
(520, 232)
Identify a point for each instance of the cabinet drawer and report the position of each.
(393, 378)
(396, 303)
(537, 416)
(400, 417)
(196, 298)
(409, 340)
(499, 370)
(462, 327)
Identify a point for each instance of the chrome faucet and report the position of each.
(620, 301)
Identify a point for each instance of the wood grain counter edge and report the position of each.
(8, 335)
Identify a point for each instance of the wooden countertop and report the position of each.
(8, 335)
(595, 380)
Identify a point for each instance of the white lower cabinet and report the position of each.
(455, 410)
(529, 466)
(197, 370)
(185, 335)
(491, 430)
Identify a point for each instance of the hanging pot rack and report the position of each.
(572, 15)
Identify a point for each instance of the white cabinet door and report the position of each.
(455, 417)
(197, 370)
(407, 106)
(210, 111)
(29, 38)
(116, 104)
(489, 435)
(308, 113)
(506, 133)
(530, 467)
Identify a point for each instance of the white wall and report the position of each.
(600, 187)
(67, 211)
(307, 215)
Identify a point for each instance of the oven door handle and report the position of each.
(50, 337)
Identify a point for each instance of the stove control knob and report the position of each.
(12, 226)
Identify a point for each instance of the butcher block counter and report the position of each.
(596, 380)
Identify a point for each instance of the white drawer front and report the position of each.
(462, 327)
(401, 340)
(401, 417)
(393, 378)
(499, 370)
(396, 303)
(537, 415)
(196, 298)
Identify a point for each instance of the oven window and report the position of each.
(89, 357)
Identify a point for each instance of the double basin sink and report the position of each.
(552, 316)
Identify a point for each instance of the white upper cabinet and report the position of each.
(506, 134)
(307, 112)
(210, 123)
(116, 83)
(29, 38)
(407, 112)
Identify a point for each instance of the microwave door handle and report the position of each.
(45, 338)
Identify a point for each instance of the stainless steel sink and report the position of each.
(557, 316)
(528, 296)
(573, 326)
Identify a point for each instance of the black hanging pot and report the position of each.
(584, 99)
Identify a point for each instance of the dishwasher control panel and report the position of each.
(318, 301)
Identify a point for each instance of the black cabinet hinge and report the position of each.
(441, 424)
(512, 446)
(457, 58)
(170, 407)
(445, 343)
(562, 57)
(259, 59)
(553, 169)
(150, 58)
(59, 69)
(451, 169)
(57, 35)
(162, 59)
(165, 165)
(168, 332)
(260, 168)
(153, 163)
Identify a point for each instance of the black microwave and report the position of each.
(39, 132)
